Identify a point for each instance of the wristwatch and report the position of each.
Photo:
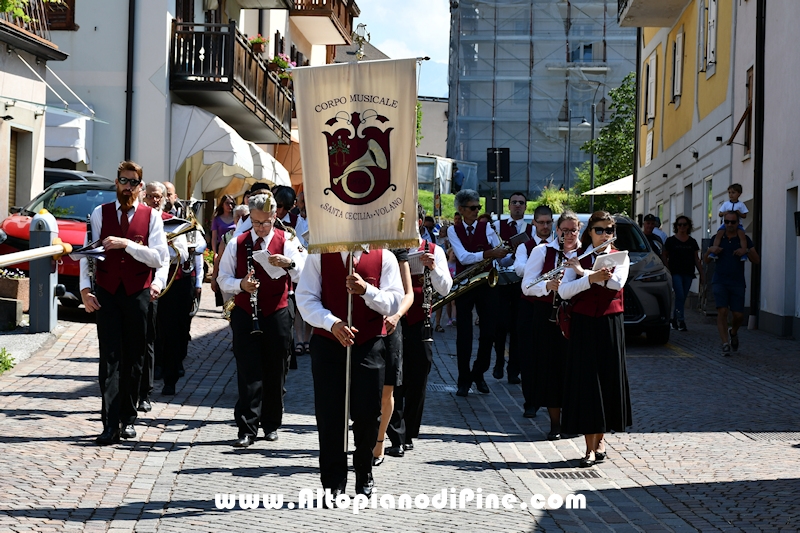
(290, 267)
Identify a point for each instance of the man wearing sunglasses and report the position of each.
(728, 282)
(136, 258)
(472, 242)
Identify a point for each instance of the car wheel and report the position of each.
(69, 302)
(658, 335)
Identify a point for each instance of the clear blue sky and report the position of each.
(412, 28)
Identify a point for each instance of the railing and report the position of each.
(341, 10)
(36, 17)
(218, 57)
(622, 5)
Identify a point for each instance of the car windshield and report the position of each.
(631, 239)
(74, 202)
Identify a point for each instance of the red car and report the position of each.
(70, 202)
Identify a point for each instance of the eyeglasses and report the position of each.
(517, 202)
(608, 231)
(544, 222)
(471, 207)
(572, 231)
(257, 224)
(124, 181)
(154, 196)
(731, 221)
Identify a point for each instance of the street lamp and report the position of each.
(360, 36)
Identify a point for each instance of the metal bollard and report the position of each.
(44, 276)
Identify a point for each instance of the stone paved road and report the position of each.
(715, 446)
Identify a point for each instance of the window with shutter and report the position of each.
(61, 15)
(677, 74)
(651, 87)
(711, 34)
(12, 170)
(702, 27)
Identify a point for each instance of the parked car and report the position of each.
(70, 202)
(57, 175)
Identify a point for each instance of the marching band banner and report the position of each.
(357, 125)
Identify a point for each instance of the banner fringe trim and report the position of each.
(333, 247)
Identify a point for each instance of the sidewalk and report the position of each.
(715, 445)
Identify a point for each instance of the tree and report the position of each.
(17, 8)
(419, 135)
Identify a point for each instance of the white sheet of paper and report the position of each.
(611, 261)
(415, 262)
(262, 257)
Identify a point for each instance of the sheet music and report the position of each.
(518, 239)
(415, 262)
(610, 261)
(262, 257)
(93, 250)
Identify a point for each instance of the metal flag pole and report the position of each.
(347, 363)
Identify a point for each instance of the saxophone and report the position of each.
(427, 300)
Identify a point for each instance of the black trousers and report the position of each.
(121, 332)
(506, 326)
(260, 369)
(484, 299)
(146, 381)
(366, 385)
(172, 328)
(409, 398)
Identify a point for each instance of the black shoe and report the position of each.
(334, 494)
(157, 373)
(108, 436)
(530, 412)
(144, 406)
(482, 387)
(514, 380)
(497, 373)
(364, 484)
(181, 371)
(682, 326)
(272, 436)
(726, 350)
(734, 340)
(408, 447)
(674, 323)
(244, 442)
(555, 434)
(168, 390)
(586, 462)
(128, 432)
(377, 461)
(395, 451)
(599, 456)
(462, 391)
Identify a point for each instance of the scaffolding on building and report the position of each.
(524, 75)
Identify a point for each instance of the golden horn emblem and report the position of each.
(375, 157)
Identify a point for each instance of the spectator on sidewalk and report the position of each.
(681, 255)
(728, 283)
(650, 224)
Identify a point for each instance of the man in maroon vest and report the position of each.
(135, 248)
(260, 265)
(472, 242)
(509, 290)
(322, 295)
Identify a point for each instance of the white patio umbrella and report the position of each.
(620, 186)
(267, 168)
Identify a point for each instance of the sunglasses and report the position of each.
(731, 221)
(133, 182)
(608, 231)
(471, 207)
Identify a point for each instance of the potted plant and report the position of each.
(14, 285)
(286, 79)
(257, 43)
(281, 63)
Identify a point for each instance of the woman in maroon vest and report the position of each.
(543, 360)
(596, 396)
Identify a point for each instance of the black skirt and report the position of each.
(596, 394)
(549, 357)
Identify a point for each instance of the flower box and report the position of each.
(16, 289)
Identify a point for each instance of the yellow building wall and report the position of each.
(648, 34)
(713, 91)
(644, 129)
(678, 119)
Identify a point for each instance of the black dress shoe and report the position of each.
(482, 386)
(128, 432)
(462, 391)
(599, 456)
(244, 442)
(271, 436)
(144, 406)
(377, 461)
(395, 451)
(554, 435)
(586, 462)
(108, 436)
(334, 494)
(530, 412)
(168, 390)
(497, 373)
(408, 447)
(364, 484)
(514, 380)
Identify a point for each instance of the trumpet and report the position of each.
(467, 280)
(553, 274)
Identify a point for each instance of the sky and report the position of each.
(412, 28)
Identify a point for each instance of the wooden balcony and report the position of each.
(328, 22)
(213, 67)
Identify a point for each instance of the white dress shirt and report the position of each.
(469, 258)
(385, 300)
(227, 280)
(154, 255)
(571, 284)
(521, 255)
(534, 266)
(441, 279)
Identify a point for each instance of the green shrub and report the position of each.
(6, 361)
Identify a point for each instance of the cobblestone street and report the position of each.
(715, 445)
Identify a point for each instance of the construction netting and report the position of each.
(524, 75)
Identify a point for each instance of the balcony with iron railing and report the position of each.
(649, 13)
(327, 22)
(213, 67)
(27, 30)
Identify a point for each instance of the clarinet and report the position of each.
(427, 300)
(89, 239)
(253, 295)
(556, 298)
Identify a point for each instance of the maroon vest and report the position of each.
(334, 294)
(549, 264)
(415, 314)
(479, 242)
(598, 300)
(273, 294)
(119, 266)
(508, 230)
